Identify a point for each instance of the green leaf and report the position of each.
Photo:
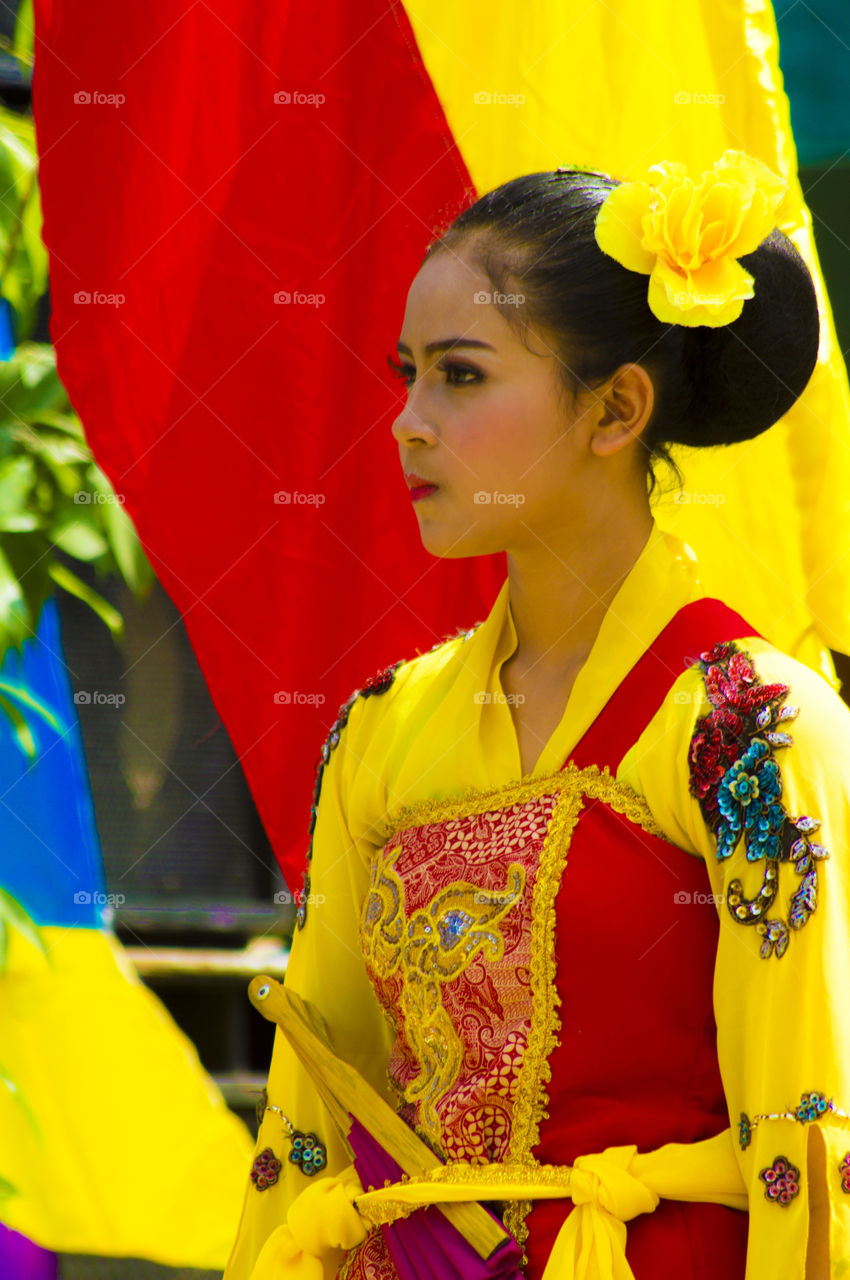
(21, 694)
(15, 915)
(14, 614)
(20, 728)
(76, 536)
(17, 475)
(126, 548)
(63, 577)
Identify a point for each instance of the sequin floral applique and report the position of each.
(738, 783)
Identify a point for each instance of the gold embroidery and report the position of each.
(435, 945)
(535, 1072)
(596, 783)
(570, 786)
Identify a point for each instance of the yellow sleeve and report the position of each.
(326, 968)
(747, 765)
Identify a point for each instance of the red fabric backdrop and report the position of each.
(194, 197)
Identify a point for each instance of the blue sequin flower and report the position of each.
(811, 1106)
(308, 1152)
(749, 801)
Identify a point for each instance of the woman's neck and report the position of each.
(559, 594)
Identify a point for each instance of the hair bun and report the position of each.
(745, 375)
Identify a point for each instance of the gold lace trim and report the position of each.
(598, 784)
(535, 1073)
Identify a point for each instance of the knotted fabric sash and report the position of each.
(607, 1190)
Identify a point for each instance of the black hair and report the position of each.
(713, 385)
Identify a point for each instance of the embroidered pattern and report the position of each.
(844, 1170)
(378, 683)
(811, 1107)
(782, 1181)
(473, 1037)
(265, 1169)
(738, 784)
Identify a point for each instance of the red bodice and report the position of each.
(547, 959)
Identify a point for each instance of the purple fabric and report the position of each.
(20, 1259)
(426, 1246)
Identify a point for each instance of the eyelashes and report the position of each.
(406, 373)
(401, 371)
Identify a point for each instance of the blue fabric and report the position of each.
(7, 330)
(50, 858)
(814, 55)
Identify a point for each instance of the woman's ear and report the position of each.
(622, 409)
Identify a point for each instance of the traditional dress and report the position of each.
(642, 942)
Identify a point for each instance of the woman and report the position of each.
(578, 884)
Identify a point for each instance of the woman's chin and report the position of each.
(447, 546)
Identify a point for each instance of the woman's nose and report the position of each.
(411, 424)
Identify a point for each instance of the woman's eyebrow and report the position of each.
(446, 345)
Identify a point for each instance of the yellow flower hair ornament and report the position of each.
(687, 234)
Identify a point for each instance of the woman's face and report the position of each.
(485, 420)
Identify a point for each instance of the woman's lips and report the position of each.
(422, 491)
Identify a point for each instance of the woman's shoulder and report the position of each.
(762, 685)
(394, 690)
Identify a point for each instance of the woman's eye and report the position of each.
(460, 375)
(457, 375)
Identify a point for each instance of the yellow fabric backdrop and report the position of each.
(618, 86)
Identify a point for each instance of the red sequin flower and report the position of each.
(782, 1180)
(844, 1170)
(265, 1169)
